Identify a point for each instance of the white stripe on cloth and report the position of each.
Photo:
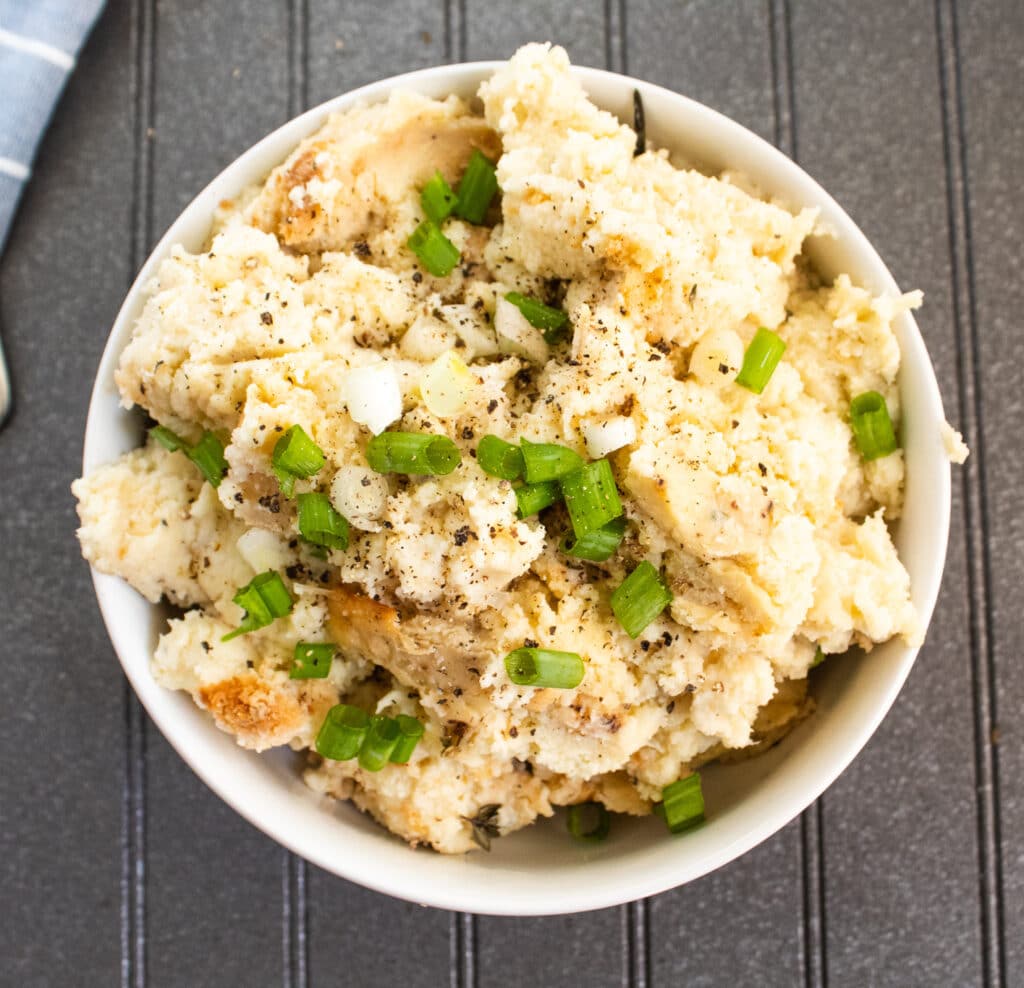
(38, 48)
(8, 166)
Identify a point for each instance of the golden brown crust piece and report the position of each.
(256, 712)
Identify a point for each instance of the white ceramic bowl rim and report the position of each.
(533, 874)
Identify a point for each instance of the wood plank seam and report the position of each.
(462, 931)
(634, 916)
(455, 34)
(294, 898)
(133, 839)
(812, 832)
(975, 504)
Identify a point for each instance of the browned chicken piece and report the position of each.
(346, 181)
(437, 661)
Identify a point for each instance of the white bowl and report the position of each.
(540, 870)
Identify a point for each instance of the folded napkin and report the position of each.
(39, 40)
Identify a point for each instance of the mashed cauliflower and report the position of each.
(307, 308)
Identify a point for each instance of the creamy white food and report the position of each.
(307, 308)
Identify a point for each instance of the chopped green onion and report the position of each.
(413, 452)
(640, 598)
(477, 188)
(533, 498)
(760, 360)
(380, 741)
(550, 321)
(596, 546)
(437, 199)
(320, 524)
(544, 667)
(683, 804)
(498, 458)
(295, 455)
(312, 660)
(208, 455)
(819, 657)
(263, 598)
(342, 733)
(591, 497)
(547, 461)
(169, 440)
(872, 427)
(434, 250)
(410, 730)
(589, 821)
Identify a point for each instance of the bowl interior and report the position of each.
(540, 870)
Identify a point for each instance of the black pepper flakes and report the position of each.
(529, 643)
(266, 318)
(492, 404)
(271, 502)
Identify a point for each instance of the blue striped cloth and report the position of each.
(39, 40)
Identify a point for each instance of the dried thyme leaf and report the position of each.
(485, 824)
(454, 732)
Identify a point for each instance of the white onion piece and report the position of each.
(446, 385)
(516, 335)
(373, 396)
(605, 437)
(360, 495)
(263, 550)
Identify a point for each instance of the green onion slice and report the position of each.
(760, 360)
(547, 461)
(477, 188)
(872, 427)
(591, 497)
(545, 667)
(295, 455)
(819, 657)
(312, 660)
(413, 452)
(533, 498)
(342, 733)
(437, 199)
(435, 251)
(410, 730)
(596, 546)
(498, 458)
(683, 804)
(550, 321)
(589, 821)
(169, 440)
(640, 598)
(319, 523)
(208, 456)
(263, 599)
(380, 741)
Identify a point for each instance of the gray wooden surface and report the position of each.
(120, 867)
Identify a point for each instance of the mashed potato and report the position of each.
(308, 309)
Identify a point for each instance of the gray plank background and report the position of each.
(910, 871)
